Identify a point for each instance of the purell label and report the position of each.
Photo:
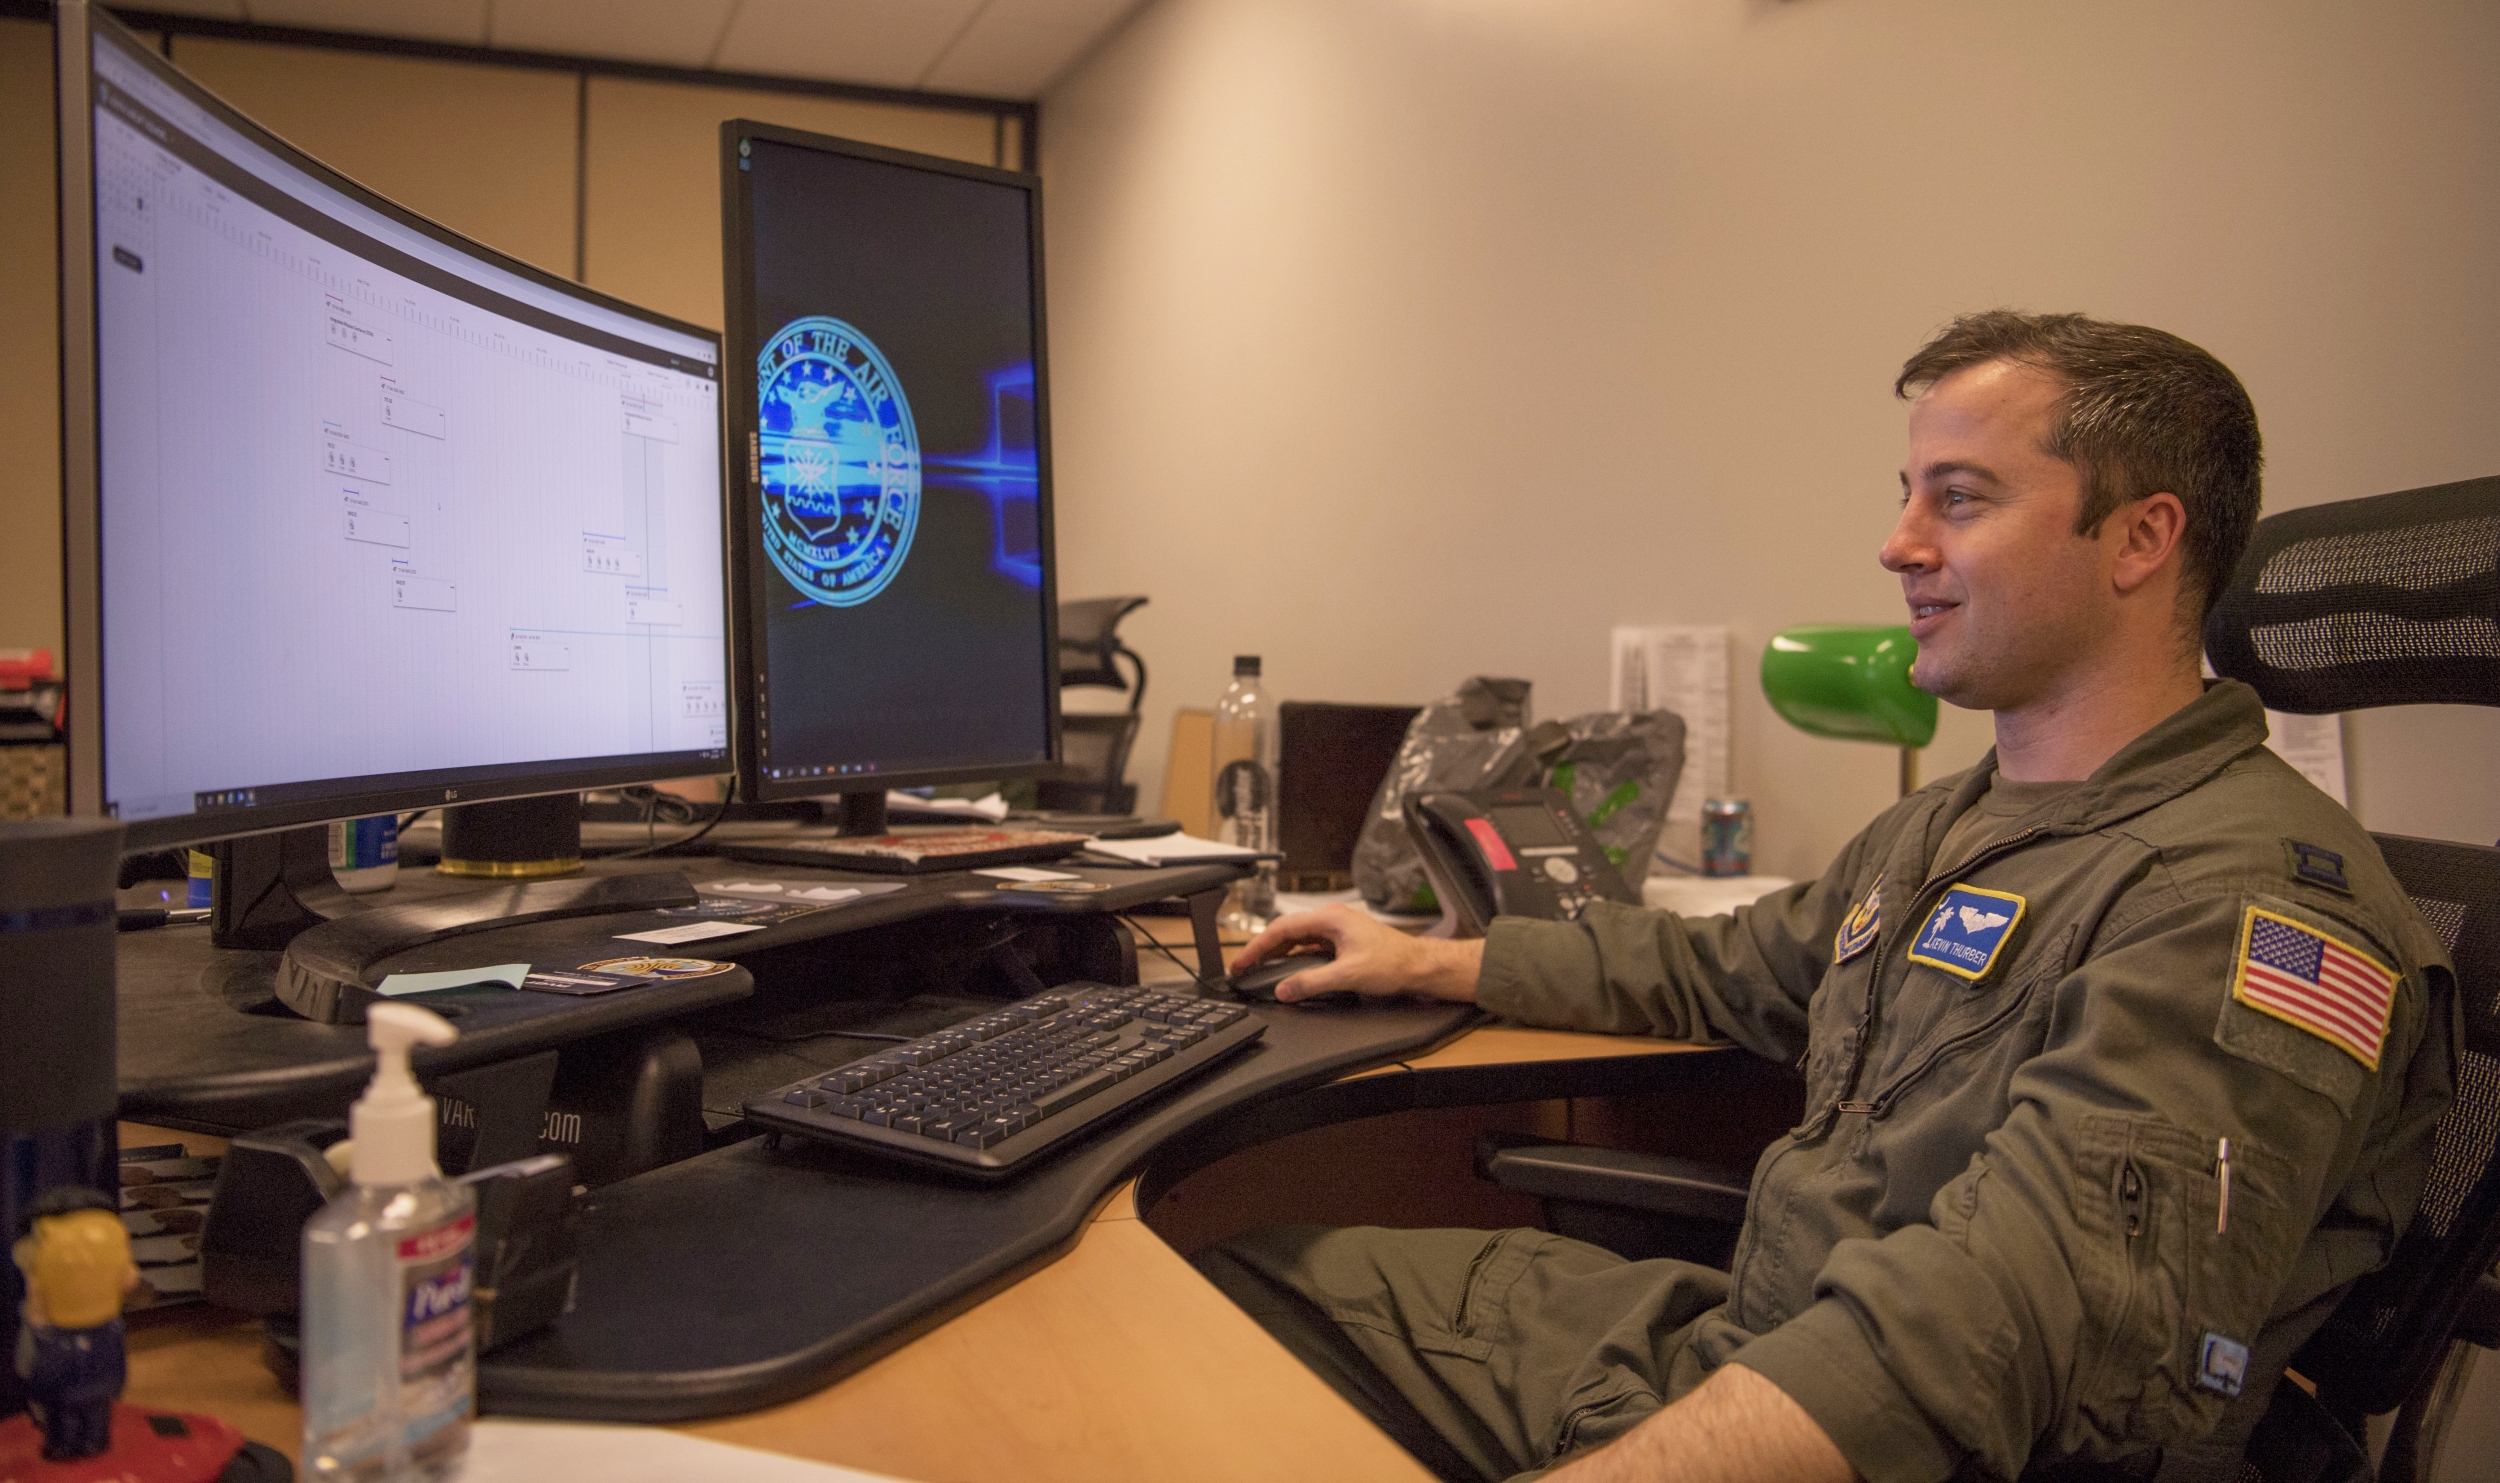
(434, 1333)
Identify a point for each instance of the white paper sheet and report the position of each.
(1170, 849)
(1683, 669)
(533, 1451)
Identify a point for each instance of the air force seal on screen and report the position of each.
(1967, 931)
(839, 461)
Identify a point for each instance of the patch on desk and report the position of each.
(2316, 866)
(1858, 930)
(2305, 978)
(1970, 928)
(670, 968)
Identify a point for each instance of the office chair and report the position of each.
(2393, 600)
(1094, 746)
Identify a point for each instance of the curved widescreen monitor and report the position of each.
(891, 534)
(361, 515)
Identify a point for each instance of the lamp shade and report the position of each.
(1850, 681)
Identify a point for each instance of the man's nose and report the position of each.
(1908, 549)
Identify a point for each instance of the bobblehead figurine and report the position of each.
(76, 1257)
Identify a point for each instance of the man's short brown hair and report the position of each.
(2144, 411)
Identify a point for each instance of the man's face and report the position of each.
(2006, 601)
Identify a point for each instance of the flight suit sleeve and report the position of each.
(1745, 976)
(2077, 1288)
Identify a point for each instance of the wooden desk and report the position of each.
(1116, 1361)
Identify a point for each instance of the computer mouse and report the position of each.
(1258, 983)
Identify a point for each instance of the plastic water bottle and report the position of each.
(1244, 792)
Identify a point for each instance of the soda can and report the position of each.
(1726, 837)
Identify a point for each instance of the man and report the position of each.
(2122, 1049)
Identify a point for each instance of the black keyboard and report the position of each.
(984, 1096)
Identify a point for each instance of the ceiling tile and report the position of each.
(676, 33)
(885, 43)
(224, 10)
(459, 21)
(1016, 47)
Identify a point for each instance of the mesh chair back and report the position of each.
(2394, 1324)
(2393, 600)
(1093, 750)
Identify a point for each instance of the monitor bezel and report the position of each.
(75, 26)
(738, 405)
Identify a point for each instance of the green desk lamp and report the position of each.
(1851, 681)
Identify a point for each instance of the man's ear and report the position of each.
(2149, 533)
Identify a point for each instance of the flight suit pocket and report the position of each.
(1480, 1298)
(2173, 1294)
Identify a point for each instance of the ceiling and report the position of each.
(992, 48)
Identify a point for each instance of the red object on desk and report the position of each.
(23, 669)
(148, 1447)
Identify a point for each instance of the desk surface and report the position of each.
(1113, 1361)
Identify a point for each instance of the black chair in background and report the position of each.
(1094, 745)
(2393, 600)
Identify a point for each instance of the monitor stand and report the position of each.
(275, 891)
(271, 887)
(524, 839)
(862, 813)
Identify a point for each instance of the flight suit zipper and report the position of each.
(1870, 1017)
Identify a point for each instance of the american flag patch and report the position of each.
(2303, 977)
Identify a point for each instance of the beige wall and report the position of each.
(30, 379)
(655, 221)
(495, 152)
(418, 132)
(1401, 340)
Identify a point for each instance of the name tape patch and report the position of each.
(1970, 926)
(1858, 929)
(2303, 977)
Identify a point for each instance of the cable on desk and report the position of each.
(719, 812)
(1150, 940)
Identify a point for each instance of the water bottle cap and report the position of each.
(1246, 664)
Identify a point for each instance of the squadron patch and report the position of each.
(2303, 977)
(1970, 927)
(1858, 929)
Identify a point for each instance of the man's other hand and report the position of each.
(1372, 957)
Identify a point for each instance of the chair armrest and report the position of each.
(2479, 1321)
(1659, 1183)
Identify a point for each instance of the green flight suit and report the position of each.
(1991, 1247)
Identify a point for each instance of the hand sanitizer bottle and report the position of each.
(389, 1362)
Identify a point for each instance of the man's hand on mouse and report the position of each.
(1372, 957)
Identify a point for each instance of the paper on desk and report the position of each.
(816, 893)
(992, 808)
(1170, 849)
(529, 1451)
(1026, 874)
(691, 932)
(507, 974)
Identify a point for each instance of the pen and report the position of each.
(2222, 1172)
(139, 919)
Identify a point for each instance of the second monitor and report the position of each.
(891, 561)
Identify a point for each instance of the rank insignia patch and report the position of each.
(1969, 928)
(1858, 929)
(2303, 977)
